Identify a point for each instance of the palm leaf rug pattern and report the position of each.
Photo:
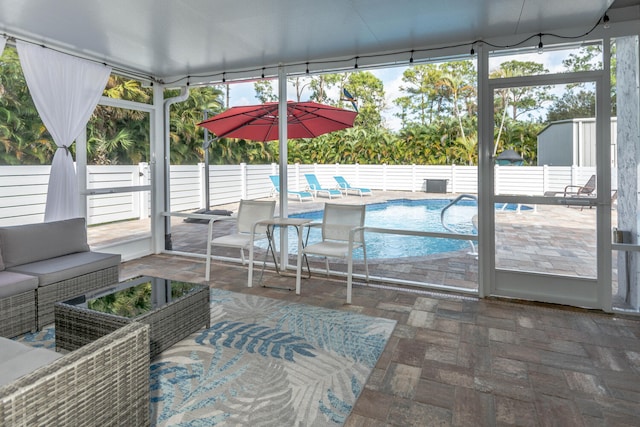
(264, 362)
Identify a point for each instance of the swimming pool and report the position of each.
(403, 214)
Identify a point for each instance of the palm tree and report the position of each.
(466, 149)
(457, 88)
(23, 137)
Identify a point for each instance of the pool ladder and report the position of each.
(474, 219)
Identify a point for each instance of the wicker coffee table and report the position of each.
(172, 309)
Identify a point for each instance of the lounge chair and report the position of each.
(250, 213)
(346, 187)
(316, 188)
(581, 190)
(300, 195)
(342, 233)
(586, 190)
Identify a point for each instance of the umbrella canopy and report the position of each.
(260, 122)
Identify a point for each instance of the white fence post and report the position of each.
(296, 168)
(453, 178)
(144, 198)
(574, 174)
(243, 180)
(545, 178)
(384, 177)
(496, 178)
(413, 177)
(202, 185)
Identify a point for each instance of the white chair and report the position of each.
(250, 213)
(342, 233)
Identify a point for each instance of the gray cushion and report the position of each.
(66, 267)
(17, 359)
(1, 261)
(12, 283)
(23, 244)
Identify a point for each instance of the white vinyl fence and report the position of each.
(23, 188)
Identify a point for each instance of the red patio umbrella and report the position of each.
(260, 122)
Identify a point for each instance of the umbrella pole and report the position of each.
(205, 147)
(282, 170)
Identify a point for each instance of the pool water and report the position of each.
(420, 215)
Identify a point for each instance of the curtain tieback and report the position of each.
(66, 149)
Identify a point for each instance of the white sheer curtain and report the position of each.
(65, 91)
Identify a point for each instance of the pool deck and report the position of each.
(552, 239)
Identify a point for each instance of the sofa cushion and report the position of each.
(17, 359)
(12, 283)
(23, 244)
(68, 266)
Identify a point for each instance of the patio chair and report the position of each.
(248, 231)
(316, 188)
(342, 233)
(344, 185)
(586, 190)
(300, 195)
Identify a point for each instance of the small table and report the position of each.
(285, 223)
(172, 309)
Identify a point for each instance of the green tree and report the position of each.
(320, 86)
(368, 90)
(420, 86)
(578, 100)
(264, 91)
(404, 104)
(519, 100)
(119, 135)
(23, 137)
(465, 149)
(458, 90)
(573, 103)
(186, 137)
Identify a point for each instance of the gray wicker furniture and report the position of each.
(17, 304)
(65, 289)
(104, 383)
(53, 260)
(174, 310)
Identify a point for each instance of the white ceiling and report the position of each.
(169, 38)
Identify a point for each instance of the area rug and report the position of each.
(263, 362)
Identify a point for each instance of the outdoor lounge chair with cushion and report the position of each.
(342, 233)
(300, 195)
(249, 213)
(316, 188)
(344, 185)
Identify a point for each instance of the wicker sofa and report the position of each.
(41, 264)
(103, 383)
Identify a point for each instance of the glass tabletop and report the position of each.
(135, 297)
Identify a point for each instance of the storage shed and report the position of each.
(572, 142)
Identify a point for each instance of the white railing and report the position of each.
(23, 188)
